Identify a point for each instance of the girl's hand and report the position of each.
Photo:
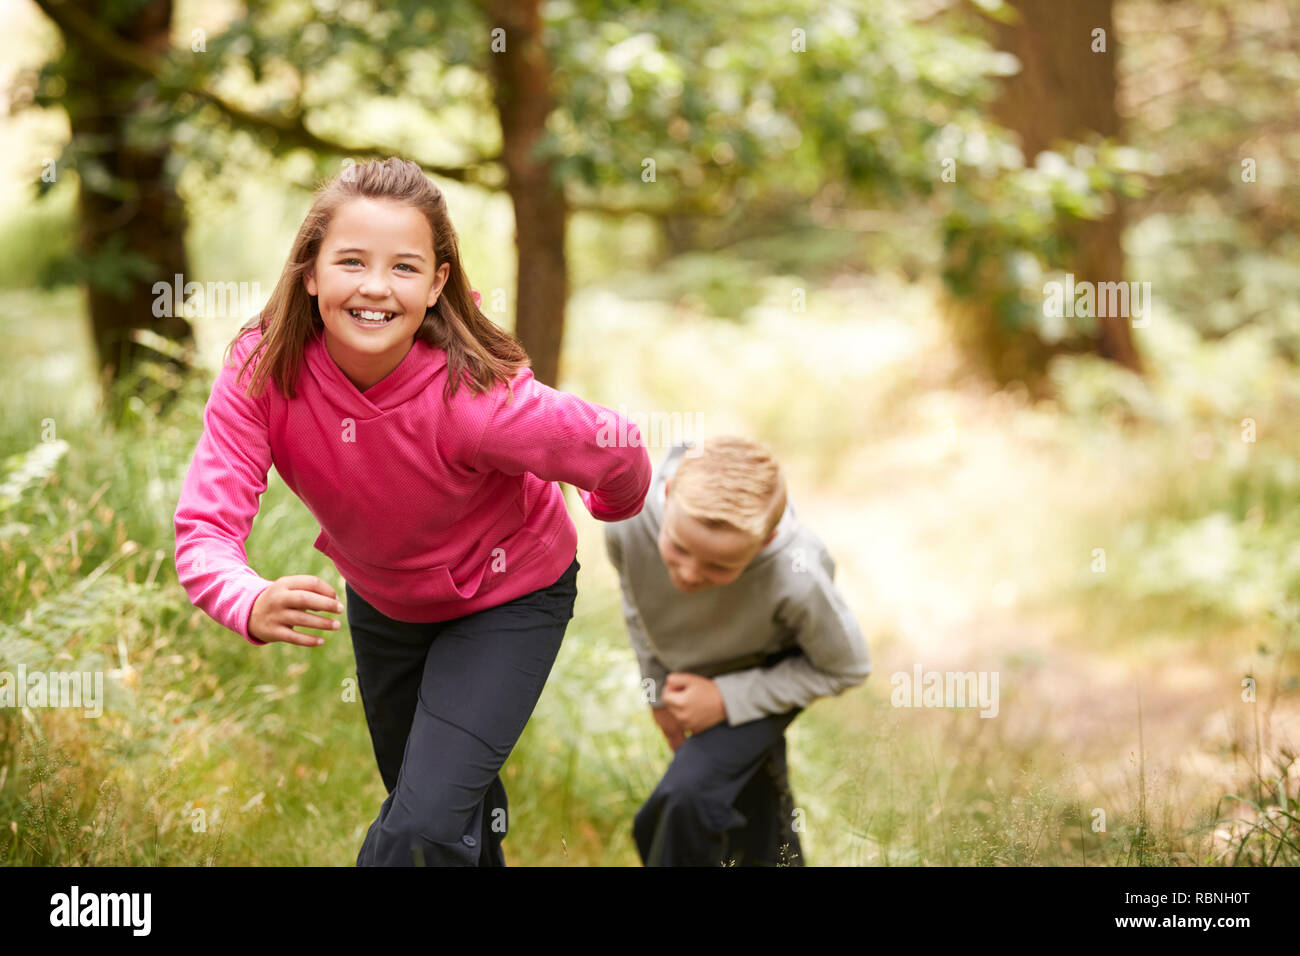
(283, 606)
(668, 724)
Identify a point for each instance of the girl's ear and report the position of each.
(309, 280)
(435, 290)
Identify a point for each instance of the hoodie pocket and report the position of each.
(415, 585)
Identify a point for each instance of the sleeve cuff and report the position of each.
(732, 689)
(254, 593)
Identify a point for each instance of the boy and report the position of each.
(737, 626)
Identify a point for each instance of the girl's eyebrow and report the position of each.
(400, 255)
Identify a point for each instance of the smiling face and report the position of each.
(698, 556)
(375, 256)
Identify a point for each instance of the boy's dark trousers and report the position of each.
(445, 703)
(725, 800)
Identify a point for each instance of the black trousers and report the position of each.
(725, 800)
(445, 703)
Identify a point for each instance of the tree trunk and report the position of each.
(1064, 90)
(132, 222)
(521, 76)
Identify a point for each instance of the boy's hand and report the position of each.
(693, 701)
(669, 725)
(284, 605)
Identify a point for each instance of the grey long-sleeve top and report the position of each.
(786, 597)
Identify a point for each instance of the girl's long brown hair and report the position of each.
(478, 351)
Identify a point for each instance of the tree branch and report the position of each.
(94, 39)
(98, 41)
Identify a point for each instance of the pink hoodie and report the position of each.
(429, 510)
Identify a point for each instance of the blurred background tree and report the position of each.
(1064, 91)
(131, 221)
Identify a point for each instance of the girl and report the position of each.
(413, 430)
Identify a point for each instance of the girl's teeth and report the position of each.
(377, 318)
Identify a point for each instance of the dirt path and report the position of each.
(957, 555)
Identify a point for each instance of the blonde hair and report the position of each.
(479, 353)
(733, 482)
